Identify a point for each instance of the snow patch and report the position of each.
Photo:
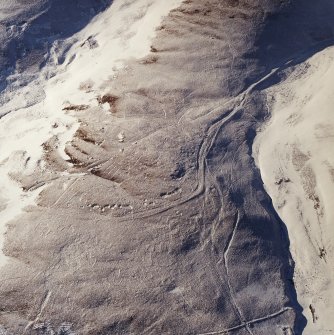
(295, 155)
(29, 113)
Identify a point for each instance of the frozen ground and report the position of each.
(127, 140)
(294, 152)
(34, 114)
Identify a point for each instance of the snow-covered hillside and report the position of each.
(34, 113)
(295, 153)
(133, 198)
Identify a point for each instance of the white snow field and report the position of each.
(123, 31)
(295, 153)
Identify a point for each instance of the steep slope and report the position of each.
(37, 110)
(296, 159)
(29, 29)
(155, 221)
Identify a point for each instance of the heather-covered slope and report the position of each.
(156, 220)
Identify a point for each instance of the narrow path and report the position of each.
(219, 121)
(206, 145)
(42, 308)
(249, 323)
